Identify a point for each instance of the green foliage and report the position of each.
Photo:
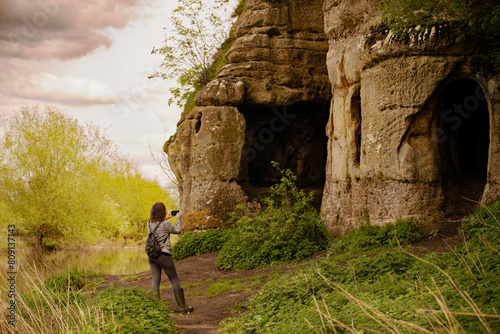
(366, 237)
(131, 278)
(191, 48)
(288, 229)
(64, 183)
(71, 279)
(480, 227)
(240, 8)
(59, 291)
(192, 244)
(440, 293)
(94, 284)
(470, 17)
(59, 305)
(218, 288)
(131, 311)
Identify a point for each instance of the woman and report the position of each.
(164, 261)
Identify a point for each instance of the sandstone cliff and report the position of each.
(378, 126)
(269, 103)
(387, 150)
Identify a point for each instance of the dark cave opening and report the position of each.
(463, 134)
(295, 137)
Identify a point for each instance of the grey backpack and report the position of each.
(153, 247)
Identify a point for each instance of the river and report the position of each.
(102, 261)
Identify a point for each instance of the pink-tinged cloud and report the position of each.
(68, 90)
(62, 29)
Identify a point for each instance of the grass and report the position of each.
(63, 303)
(216, 286)
(365, 283)
(221, 287)
(365, 287)
(194, 293)
(92, 285)
(131, 278)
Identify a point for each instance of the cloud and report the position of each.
(70, 90)
(62, 29)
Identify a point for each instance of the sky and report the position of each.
(92, 58)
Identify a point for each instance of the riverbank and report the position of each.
(214, 294)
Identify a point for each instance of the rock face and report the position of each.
(401, 141)
(269, 103)
(379, 127)
(204, 155)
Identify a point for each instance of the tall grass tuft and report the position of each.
(454, 309)
(61, 304)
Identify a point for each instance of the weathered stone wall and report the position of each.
(383, 154)
(384, 159)
(277, 60)
(280, 53)
(204, 155)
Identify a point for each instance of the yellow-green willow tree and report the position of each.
(65, 183)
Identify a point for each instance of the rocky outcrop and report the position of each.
(381, 127)
(385, 159)
(204, 154)
(242, 120)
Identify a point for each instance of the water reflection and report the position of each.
(105, 261)
(102, 261)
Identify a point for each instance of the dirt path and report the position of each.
(199, 276)
(204, 285)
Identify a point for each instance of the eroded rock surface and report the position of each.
(380, 127)
(255, 111)
(386, 155)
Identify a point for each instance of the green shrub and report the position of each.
(288, 229)
(479, 19)
(56, 306)
(192, 244)
(470, 16)
(240, 8)
(481, 225)
(60, 289)
(366, 237)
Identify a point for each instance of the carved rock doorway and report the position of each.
(463, 135)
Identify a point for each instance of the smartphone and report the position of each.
(174, 212)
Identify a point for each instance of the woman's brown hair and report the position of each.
(158, 212)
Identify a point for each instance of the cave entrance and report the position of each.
(463, 134)
(295, 137)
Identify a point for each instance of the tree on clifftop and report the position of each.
(192, 47)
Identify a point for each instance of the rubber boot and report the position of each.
(181, 302)
(156, 293)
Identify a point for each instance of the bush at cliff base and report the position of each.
(288, 229)
(381, 291)
(192, 244)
